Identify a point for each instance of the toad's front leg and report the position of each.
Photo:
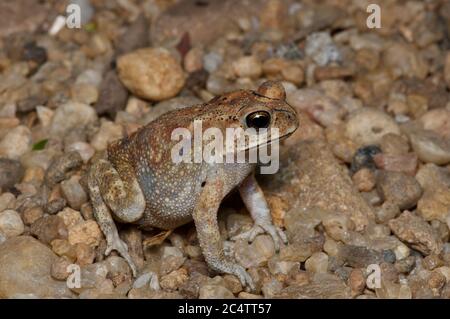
(205, 218)
(254, 200)
(120, 192)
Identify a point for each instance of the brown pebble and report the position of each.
(364, 180)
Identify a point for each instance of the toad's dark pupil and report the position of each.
(260, 119)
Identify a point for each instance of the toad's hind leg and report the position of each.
(123, 196)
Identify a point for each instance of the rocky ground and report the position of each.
(365, 180)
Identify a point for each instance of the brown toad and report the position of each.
(140, 182)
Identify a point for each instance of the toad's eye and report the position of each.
(260, 119)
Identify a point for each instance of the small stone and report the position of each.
(48, 228)
(255, 254)
(247, 67)
(397, 163)
(54, 206)
(430, 147)
(364, 180)
(317, 263)
(322, 286)
(151, 73)
(398, 188)
(323, 109)
(431, 176)
(11, 173)
(436, 280)
(85, 150)
(368, 126)
(11, 224)
(85, 254)
(44, 115)
(84, 93)
(87, 232)
(25, 266)
(232, 283)
(438, 121)
(432, 261)
(246, 295)
(393, 144)
(71, 115)
(61, 247)
(70, 217)
(112, 95)
(282, 267)
(118, 270)
(16, 142)
(108, 132)
(293, 73)
(321, 48)
(360, 257)
(435, 204)
(405, 60)
(386, 212)
(357, 281)
(214, 292)
(171, 259)
(416, 232)
(175, 279)
(59, 270)
(7, 201)
(193, 61)
(74, 193)
(271, 288)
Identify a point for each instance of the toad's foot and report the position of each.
(117, 244)
(276, 233)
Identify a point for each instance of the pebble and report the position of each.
(406, 163)
(317, 263)
(11, 173)
(214, 292)
(172, 258)
(398, 188)
(74, 193)
(367, 126)
(435, 205)
(25, 266)
(151, 73)
(322, 49)
(322, 286)
(364, 180)
(7, 201)
(323, 109)
(112, 95)
(87, 232)
(118, 270)
(438, 121)
(255, 254)
(416, 232)
(430, 147)
(405, 60)
(247, 67)
(48, 228)
(175, 279)
(11, 224)
(70, 217)
(357, 281)
(85, 254)
(15, 143)
(71, 115)
(108, 132)
(59, 269)
(85, 150)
